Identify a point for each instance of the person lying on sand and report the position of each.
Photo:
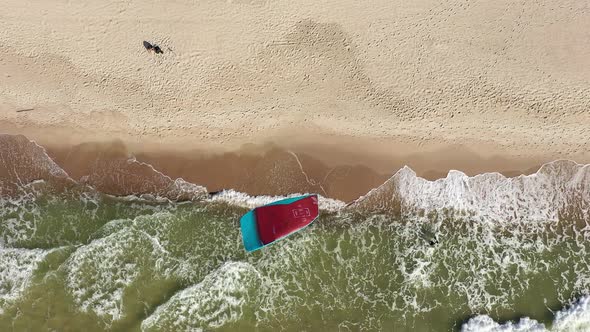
(151, 47)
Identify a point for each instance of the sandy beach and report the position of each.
(474, 86)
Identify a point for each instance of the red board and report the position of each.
(276, 221)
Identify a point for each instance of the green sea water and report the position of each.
(83, 261)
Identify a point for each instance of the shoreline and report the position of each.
(340, 171)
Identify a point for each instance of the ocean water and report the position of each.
(510, 254)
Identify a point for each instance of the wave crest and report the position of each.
(217, 300)
(575, 318)
(558, 190)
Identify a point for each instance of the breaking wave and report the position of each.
(217, 300)
(575, 318)
(559, 190)
(17, 270)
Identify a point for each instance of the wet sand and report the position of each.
(267, 169)
(336, 167)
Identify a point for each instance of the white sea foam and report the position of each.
(95, 278)
(558, 189)
(46, 162)
(187, 190)
(244, 200)
(485, 323)
(178, 189)
(99, 273)
(18, 215)
(575, 318)
(218, 299)
(16, 269)
(22, 215)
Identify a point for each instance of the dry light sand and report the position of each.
(471, 85)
